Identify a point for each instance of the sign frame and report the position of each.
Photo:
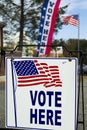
(64, 60)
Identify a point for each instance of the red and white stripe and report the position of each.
(48, 76)
(51, 30)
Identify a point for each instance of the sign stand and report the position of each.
(80, 85)
(80, 88)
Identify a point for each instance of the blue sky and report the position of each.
(70, 31)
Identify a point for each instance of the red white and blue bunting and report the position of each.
(48, 19)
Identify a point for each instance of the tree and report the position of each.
(24, 15)
(21, 24)
(72, 44)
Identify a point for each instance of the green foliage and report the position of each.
(72, 44)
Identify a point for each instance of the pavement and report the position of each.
(2, 101)
(2, 104)
(2, 78)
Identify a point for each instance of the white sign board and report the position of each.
(41, 93)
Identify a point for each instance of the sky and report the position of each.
(69, 31)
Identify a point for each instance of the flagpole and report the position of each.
(14, 97)
(78, 38)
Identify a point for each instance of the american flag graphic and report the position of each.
(72, 19)
(32, 73)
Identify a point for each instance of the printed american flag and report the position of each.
(72, 19)
(32, 73)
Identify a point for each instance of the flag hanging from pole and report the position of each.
(72, 19)
(48, 18)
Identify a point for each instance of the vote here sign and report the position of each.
(41, 93)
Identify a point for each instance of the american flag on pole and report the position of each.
(72, 19)
(48, 18)
(32, 73)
